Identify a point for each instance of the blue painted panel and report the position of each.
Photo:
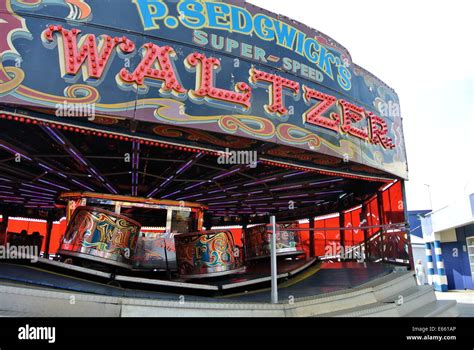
(456, 264)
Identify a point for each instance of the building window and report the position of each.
(470, 251)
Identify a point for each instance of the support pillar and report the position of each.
(274, 261)
(429, 262)
(405, 216)
(440, 279)
(245, 223)
(49, 229)
(381, 222)
(311, 238)
(363, 222)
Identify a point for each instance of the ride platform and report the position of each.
(296, 279)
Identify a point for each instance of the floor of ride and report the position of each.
(327, 278)
(63, 276)
(32, 276)
(256, 270)
(315, 280)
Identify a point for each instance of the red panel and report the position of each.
(319, 238)
(327, 242)
(393, 207)
(304, 237)
(348, 241)
(333, 235)
(352, 219)
(56, 235)
(17, 225)
(396, 199)
(386, 205)
(358, 234)
(373, 218)
(237, 234)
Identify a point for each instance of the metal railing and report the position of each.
(382, 243)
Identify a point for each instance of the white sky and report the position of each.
(425, 51)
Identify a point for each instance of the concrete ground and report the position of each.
(464, 298)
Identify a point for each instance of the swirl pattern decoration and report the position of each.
(98, 233)
(206, 253)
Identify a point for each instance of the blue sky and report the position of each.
(423, 49)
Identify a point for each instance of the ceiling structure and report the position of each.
(39, 160)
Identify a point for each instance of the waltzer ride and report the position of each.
(167, 133)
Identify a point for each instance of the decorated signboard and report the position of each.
(222, 66)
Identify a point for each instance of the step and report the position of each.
(387, 279)
(330, 302)
(437, 308)
(396, 286)
(8, 313)
(44, 302)
(412, 299)
(408, 293)
(377, 309)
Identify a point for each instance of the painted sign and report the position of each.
(227, 67)
(257, 241)
(98, 234)
(206, 254)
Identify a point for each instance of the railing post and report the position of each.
(245, 222)
(273, 261)
(363, 222)
(49, 229)
(168, 272)
(405, 218)
(381, 222)
(342, 235)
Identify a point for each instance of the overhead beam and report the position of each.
(267, 190)
(176, 173)
(46, 166)
(217, 185)
(77, 156)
